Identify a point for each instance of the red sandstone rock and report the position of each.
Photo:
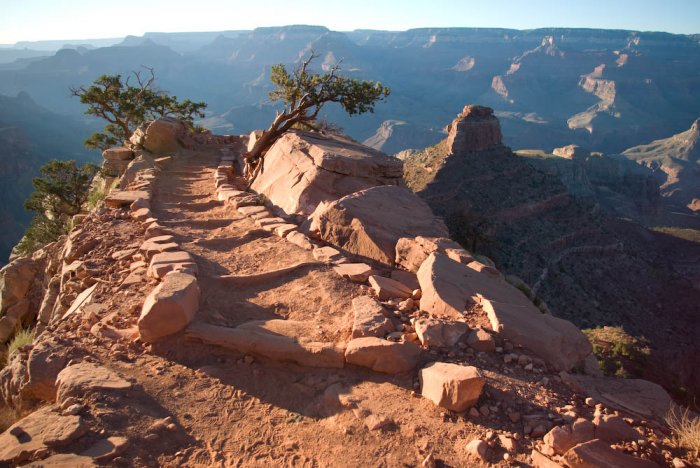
(170, 307)
(475, 129)
(451, 386)
(382, 355)
(370, 222)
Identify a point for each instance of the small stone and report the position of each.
(406, 305)
(514, 416)
(474, 413)
(508, 443)
(528, 367)
(678, 463)
(507, 358)
(590, 402)
(484, 410)
(151, 437)
(72, 410)
(477, 449)
(429, 461)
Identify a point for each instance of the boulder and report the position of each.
(162, 135)
(369, 223)
(387, 288)
(382, 355)
(644, 399)
(539, 460)
(451, 386)
(46, 360)
(614, 429)
(439, 333)
(118, 153)
(448, 286)
(170, 307)
(370, 318)
(598, 453)
(15, 281)
(40, 430)
(356, 272)
(411, 252)
(328, 255)
(562, 438)
(124, 198)
(80, 379)
(301, 170)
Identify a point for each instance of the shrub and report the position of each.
(618, 352)
(23, 338)
(57, 196)
(686, 429)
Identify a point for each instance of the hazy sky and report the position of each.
(80, 19)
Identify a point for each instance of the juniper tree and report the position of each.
(304, 93)
(58, 195)
(125, 106)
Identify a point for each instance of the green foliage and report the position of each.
(23, 338)
(304, 93)
(309, 91)
(95, 197)
(62, 190)
(618, 352)
(125, 106)
(58, 195)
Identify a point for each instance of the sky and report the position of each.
(31, 20)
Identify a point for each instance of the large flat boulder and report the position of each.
(279, 340)
(303, 169)
(40, 430)
(123, 198)
(382, 355)
(448, 286)
(369, 223)
(598, 453)
(86, 377)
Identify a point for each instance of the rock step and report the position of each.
(256, 338)
(256, 278)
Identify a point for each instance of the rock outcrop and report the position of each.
(570, 252)
(448, 287)
(475, 129)
(301, 170)
(370, 222)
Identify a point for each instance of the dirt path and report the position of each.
(244, 411)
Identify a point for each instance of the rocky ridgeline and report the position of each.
(423, 307)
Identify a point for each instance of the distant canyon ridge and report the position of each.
(604, 90)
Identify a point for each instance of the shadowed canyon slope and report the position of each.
(585, 264)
